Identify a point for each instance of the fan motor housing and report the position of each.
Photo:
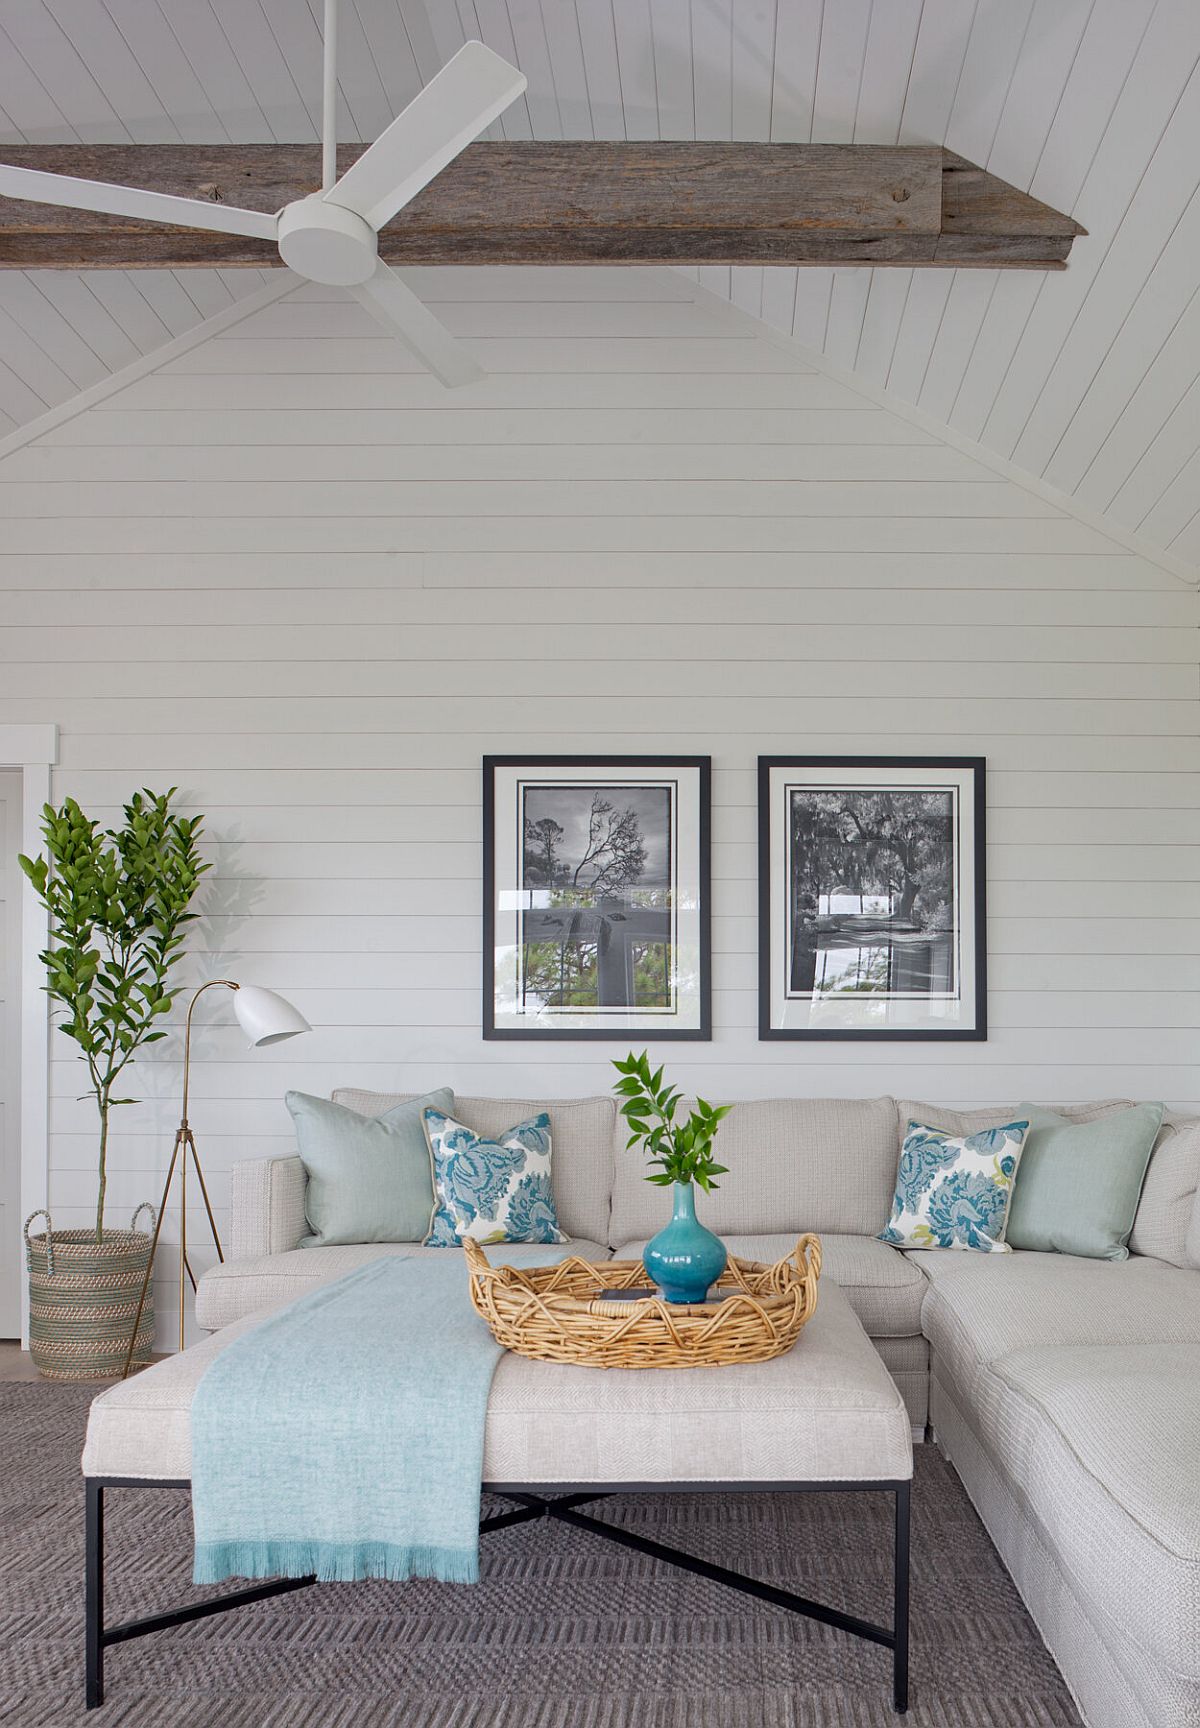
(326, 243)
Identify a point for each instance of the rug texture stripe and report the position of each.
(564, 1630)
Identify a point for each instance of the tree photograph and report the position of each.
(871, 885)
(596, 869)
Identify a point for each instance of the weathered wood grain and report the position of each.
(573, 203)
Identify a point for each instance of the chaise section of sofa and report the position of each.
(1067, 1394)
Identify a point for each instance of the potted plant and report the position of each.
(118, 902)
(684, 1259)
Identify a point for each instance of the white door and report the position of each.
(11, 1248)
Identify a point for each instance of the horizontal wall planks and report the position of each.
(282, 695)
(116, 607)
(749, 533)
(184, 754)
(395, 876)
(724, 1073)
(1030, 773)
(792, 643)
(395, 1009)
(634, 465)
(227, 931)
(448, 906)
(390, 839)
(948, 577)
(377, 430)
(314, 600)
(319, 968)
(218, 1072)
(366, 499)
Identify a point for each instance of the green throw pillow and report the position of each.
(368, 1176)
(1078, 1185)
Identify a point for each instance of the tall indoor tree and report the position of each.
(118, 900)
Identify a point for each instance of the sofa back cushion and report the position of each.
(581, 1137)
(1079, 1183)
(795, 1164)
(369, 1178)
(1169, 1192)
(1169, 1196)
(1193, 1235)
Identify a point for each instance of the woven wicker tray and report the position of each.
(552, 1313)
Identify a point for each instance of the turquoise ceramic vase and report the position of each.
(685, 1258)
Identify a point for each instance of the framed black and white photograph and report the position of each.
(872, 915)
(596, 897)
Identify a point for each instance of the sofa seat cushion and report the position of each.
(228, 1293)
(980, 1308)
(886, 1288)
(1100, 1440)
(808, 1163)
(826, 1411)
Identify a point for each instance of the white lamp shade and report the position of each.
(266, 1018)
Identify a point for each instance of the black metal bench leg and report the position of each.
(94, 1594)
(900, 1615)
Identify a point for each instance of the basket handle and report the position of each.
(808, 1261)
(40, 1213)
(477, 1260)
(808, 1248)
(805, 1259)
(144, 1207)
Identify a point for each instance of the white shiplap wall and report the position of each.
(292, 574)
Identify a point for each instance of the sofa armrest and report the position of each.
(267, 1207)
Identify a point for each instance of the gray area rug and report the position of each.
(564, 1631)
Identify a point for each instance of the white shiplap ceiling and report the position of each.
(1089, 379)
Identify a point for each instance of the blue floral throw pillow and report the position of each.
(490, 1190)
(953, 1191)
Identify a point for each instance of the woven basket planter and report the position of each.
(83, 1298)
(552, 1313)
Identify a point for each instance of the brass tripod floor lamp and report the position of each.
(265, 1018)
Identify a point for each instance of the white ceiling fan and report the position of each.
(332, 235)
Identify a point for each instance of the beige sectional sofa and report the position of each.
(1065, 1391)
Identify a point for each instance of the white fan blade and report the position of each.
(450, 113)
(387, 298)
(110, 200)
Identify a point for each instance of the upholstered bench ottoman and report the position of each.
(825, 1416)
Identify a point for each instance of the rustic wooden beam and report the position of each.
(571, 203)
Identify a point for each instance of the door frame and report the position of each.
(32, 751)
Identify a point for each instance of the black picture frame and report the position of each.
(701, 767)
(974, 941)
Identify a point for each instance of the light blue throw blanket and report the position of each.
(344, 1436)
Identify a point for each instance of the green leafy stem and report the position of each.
(683, 1150)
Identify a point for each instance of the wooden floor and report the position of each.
(15, 1363)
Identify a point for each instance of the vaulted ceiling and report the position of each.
(1089, 378)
